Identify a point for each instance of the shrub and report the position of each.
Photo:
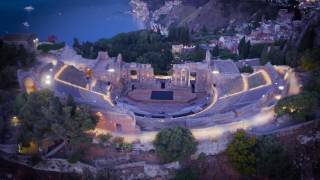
(127, 146)
(118, 140)
(132, 46)
(75, 157)
(104, 174)
(246, 69)
(309, 60)
(272, 160)
(35, 159)
(120, 144)
(49, 47)
(240, 152)
(313, 84)
(173, 144)
(202, 156)
(298, 107)
(187, 174)
(256, 50)
(105, 137)
(227, 54)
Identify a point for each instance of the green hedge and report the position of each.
(246, 69)
(50, 47)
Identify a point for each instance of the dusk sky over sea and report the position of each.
(66, 19)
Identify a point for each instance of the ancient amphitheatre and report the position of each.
(210, 97)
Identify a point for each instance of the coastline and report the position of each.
(140, 11)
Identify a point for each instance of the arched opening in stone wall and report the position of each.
(193, 88)
(163, 85)
(133, 75)
(29, 85)
(118, 127)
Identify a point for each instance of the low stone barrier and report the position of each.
(285, 130)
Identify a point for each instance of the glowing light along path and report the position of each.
(265, 116)
(215, 98)
(246, 83)
(212, 103)
(57, 75)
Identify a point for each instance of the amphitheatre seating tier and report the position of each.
(73, 76)
(256, 80)
(274, 75)
(225, 66)
(65, 89)
(221, 104)
(165, 108)
(224, 111)
(179, 96)
(82, 96)
(230, 86)
(255, 95)
(233, 102)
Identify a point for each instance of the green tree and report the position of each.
(105, 137)
(272, 160)
(244, 48)
(50, 47)
(36, 117)
(291, 57)
(313, 84)
(71, 103)
(227, 54)
(307, 41)
(247, 49)
(310, 60)
(12, 58)
(133, 46)
(204, 30)
(197, 55)
(241, 152)
(299, 107)
(159, 61)
(191, 173)
(215, 51)
(45, 119)
(76, 125)
(173, 144)
(179, 35)
(3, 127)
(104, 174)
(241, 45)
(76, 45)
(273, 55)
(246, 69)
(256, 50)
(264, 55)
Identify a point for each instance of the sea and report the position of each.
(87, 20)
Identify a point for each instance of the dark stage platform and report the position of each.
(162, 95)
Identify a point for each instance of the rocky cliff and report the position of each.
(307, 33)
(198, 13)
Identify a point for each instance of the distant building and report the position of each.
(182, 48)
(229, 42)
(28, 40)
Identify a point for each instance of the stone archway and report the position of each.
(29, 85)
